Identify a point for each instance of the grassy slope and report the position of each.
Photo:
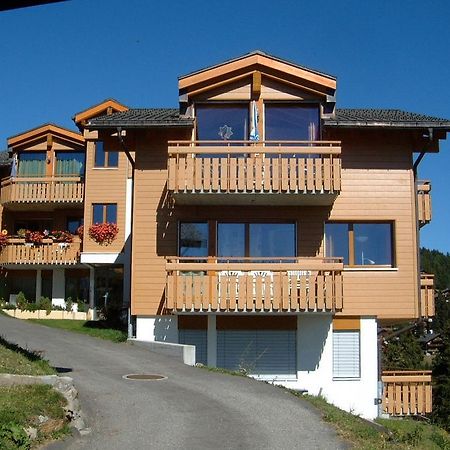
(94, 329)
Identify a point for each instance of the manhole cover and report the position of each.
(144, 376)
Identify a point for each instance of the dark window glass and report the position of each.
(32, 164)
(193, 239)
(291, 122)
(100, 157)
(113, 159)
(336, 240)
(97, 214)
(34, 225)
(73, 223)
(222, 122)
(272, 239)
(111, 213)
(70, 163)
(372, 244)
(231, 239)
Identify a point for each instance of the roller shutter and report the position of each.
(346, 354)
(266, 354)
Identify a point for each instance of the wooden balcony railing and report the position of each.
(287, 285)
(42, 190)
(19, 252)
(243, 167)
(424, 202)
(407, 393)
(426, 295)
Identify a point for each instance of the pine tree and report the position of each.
(403, 352)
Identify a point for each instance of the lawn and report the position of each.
(92, 328)
(18, 361)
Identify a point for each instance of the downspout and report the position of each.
(133, 165)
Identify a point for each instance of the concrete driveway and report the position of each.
(191, 409)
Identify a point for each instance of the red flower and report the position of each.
(103, 233)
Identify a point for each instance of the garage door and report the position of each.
(197, 338)
(266, 354)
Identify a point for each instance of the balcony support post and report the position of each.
(212, 341)
(38, 284)
(59, 287)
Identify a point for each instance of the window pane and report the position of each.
(336, 240)
(111, 213)
(73, 223)
(70, 163)
(99, 154)
(290, 122)
(32, 164)
(194, 239)
(231, 239)
(113, 159)
(97, 213)
(373, 244)
(222, 122)
(272, 239)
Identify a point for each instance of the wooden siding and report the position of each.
(424, 202)
(304, 285)
(42, 190)
(426, 295)
(105, 185)
(407, 393)
(18, 252)
(242, 168)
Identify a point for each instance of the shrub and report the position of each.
(34, 237)
(82, 307)
(69, 304)
(44, 303)
(21, 301)
(13, 436)
(103, 233)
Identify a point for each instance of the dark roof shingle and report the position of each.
(142, 118)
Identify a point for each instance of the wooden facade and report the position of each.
(424, 202)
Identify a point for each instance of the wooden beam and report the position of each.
(256, 85)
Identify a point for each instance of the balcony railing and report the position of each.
(424, 202)
(243, 167)
(42, 190)
(49, 252)
(426, 295)
(407, 392)
(252, 285)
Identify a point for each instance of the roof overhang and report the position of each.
(106, 107)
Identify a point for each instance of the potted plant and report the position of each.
(34, 237)
(61, 236)
(103, 233)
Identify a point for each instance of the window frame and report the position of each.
(351, 242)
(106, 161)
(104, 212)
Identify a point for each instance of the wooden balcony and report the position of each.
(426, 295)
(245, 172)
(407, 392)
(287, 285)
(21, 190)
(423, 202)
(18, 252)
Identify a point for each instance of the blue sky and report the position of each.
(60, 58)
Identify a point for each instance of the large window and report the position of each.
(222, 122)
(360, 244)
(104, 212)
(105, 158)
(291, 122)
(70, 164)
(32, 164)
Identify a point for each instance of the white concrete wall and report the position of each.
(315, 365)
(58, 287)
(157, 328)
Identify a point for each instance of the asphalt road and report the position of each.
(191, 409)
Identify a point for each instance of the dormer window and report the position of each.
(222, 122)
(292, 122)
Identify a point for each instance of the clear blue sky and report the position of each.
(58, 59)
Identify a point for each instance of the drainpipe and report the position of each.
(132, 162)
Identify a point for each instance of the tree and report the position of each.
(402, 352)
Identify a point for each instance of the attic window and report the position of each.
(222, 122)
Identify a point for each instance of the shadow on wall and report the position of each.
(313, 336)
(166, 329)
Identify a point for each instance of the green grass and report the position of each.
(91, 328)
(398, 434)
(16, 360)
(20, 406)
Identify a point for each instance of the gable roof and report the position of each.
(109, 105)
(45, 130)
(142, 118)
(383, 118)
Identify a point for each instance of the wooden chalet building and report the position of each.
(257, 221)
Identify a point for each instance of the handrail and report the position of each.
(67, 178)
(253, 143)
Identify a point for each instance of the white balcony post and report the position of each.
(212, 341)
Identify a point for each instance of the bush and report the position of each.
(69, 304)
(13, 436)
(21, 301)
(44, 303)
(82, 307)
